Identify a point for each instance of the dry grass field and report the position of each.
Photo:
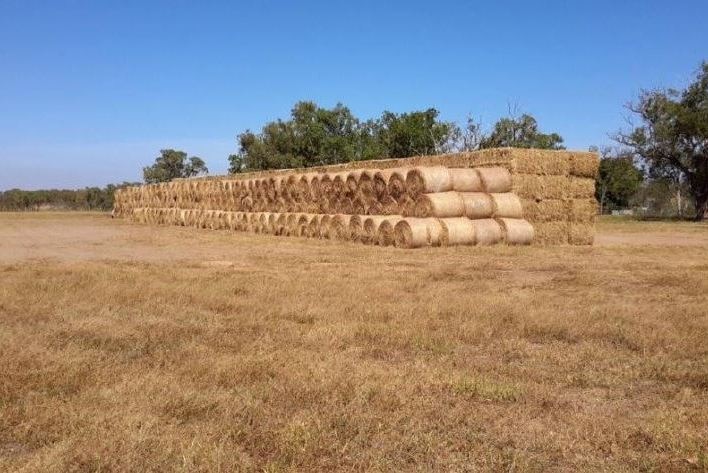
(136, 348)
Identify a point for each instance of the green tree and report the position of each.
(172, 164)
(673, 137)
(316, 136)
(411, 134)
(521, 132)
(618, 180)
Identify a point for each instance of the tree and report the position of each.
(316, 136)
(172, 164)
(521, 132)
(618, 180)
(673, 137)
(412, 134)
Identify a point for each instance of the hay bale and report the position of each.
(352, 182)
(506, 205)
(582, 210)
(584, 164)
(413, 232)
(495, 179)
(487, 231)
(380, 180)
(371, 228)
(551, 233)
(396, 182)
(581, 188)
(339, 225)
(426, 180)
(477, 204)
(465, 180)
(385, 235)
(441, 205)
(457, 231)
(544, 210)
(355, 228)
(405, 205)
(366, 183)
(539, 162)
(528, 186)
(386, 205)
(516, 231)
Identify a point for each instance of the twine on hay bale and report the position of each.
(441, 204)
(516, 231)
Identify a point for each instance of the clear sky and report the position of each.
(91, 90)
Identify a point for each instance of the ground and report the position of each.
(136, 348)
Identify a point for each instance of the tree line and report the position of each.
(89, 198)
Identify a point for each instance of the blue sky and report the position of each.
(91, 90)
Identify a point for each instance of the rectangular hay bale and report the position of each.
(544, 210)
(551, 233)
(531, 186)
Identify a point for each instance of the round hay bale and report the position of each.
(516, 231)
(380, 180)
(506, 205)
(345, 205)
(405, 206)
(457, 231)
(465, 180)
(326, 186)
(371, 228)
(397, 183)
(413, 232)
(487, 231)
(385, 235)
(477, 204)
(441, 205)
(325, 227)
(355, 228)
(339, 184)
(365, 183)
(313, 227)
(339, 227)
(358, 206)
(386, 205)
(427, 180)
(495, 179)
(352, 182)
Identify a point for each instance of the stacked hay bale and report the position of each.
(422, 200)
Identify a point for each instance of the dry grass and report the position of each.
(132, 348)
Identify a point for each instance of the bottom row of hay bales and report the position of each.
(384, 230)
